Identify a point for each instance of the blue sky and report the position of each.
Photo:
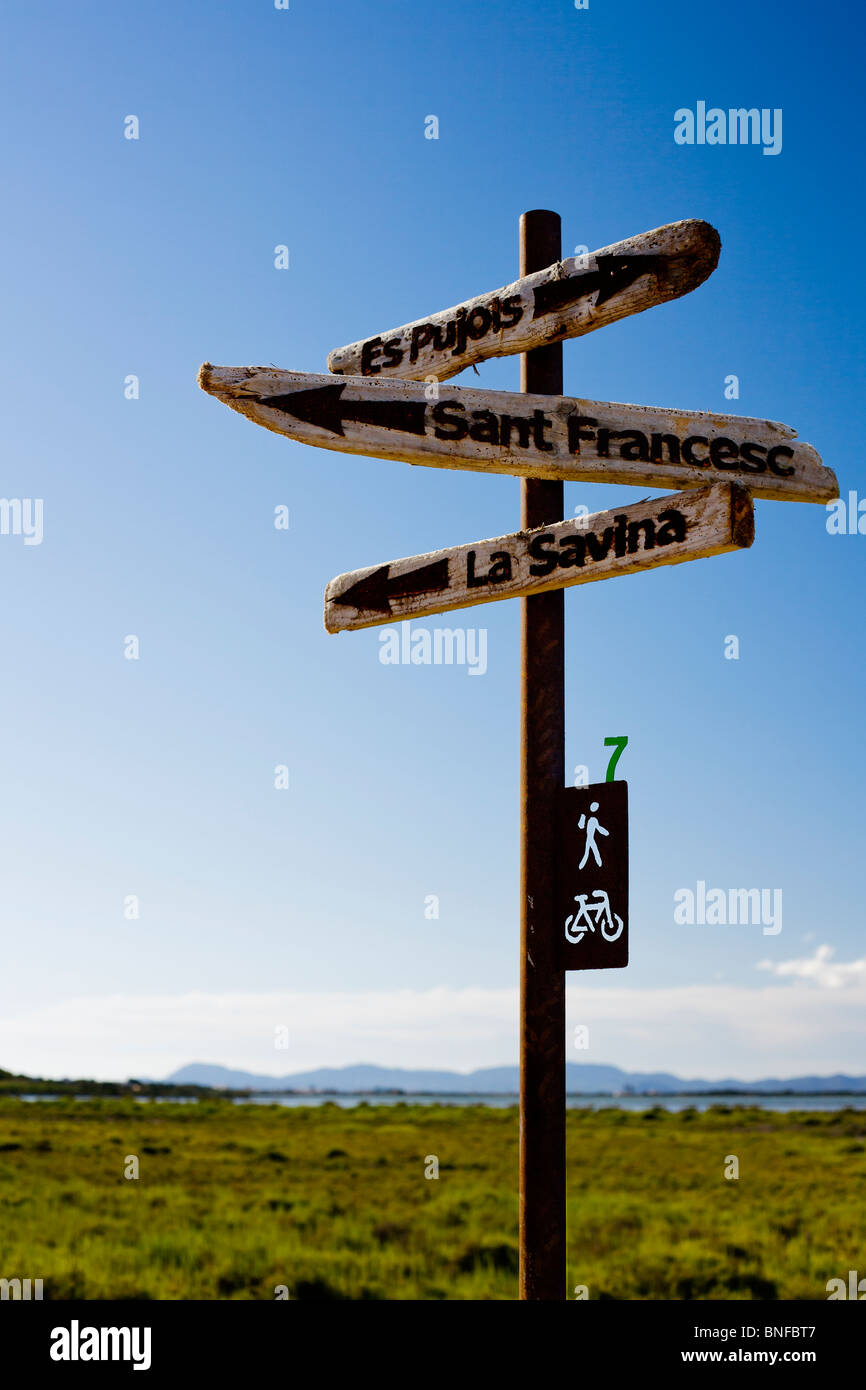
(304, 908)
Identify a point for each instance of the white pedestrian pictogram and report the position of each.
(593, 827)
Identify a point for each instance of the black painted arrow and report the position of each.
(614, 273)
(374, 592)
(323, 407)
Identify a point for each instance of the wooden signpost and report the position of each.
(662, 531)
(564, 299)
(529, 435)
(574, 841)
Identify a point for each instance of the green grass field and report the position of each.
(233, 1201)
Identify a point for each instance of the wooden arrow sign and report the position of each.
(664, 531)
(530, 436)
(567, 299)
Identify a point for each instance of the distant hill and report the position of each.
(581, 1079)
(16, 1084)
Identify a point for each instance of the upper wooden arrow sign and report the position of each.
(567, 299)
(530, 436)
(662, 531)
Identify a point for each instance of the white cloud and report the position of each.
(123, 1035)
(805, 1025)
(819, 968)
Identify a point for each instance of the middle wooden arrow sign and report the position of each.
(529, 436)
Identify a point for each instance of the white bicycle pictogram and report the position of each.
(593, 914)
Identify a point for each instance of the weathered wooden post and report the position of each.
(542, 768)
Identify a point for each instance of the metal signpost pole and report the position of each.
(542, 760)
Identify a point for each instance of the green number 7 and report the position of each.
(618, 744)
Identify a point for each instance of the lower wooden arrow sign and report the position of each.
(526, 435)
(663, 531)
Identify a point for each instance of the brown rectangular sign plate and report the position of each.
(593, 876)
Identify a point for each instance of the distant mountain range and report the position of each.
(581, 1079)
